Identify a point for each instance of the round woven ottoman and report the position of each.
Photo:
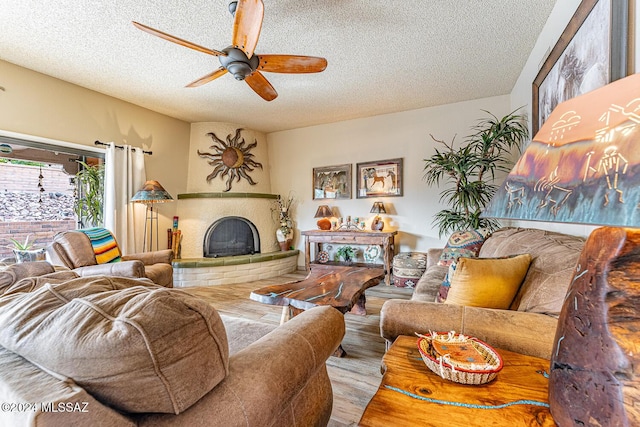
(408, 267)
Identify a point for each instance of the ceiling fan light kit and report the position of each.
(239, 59)
(237, 63)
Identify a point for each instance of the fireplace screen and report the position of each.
(230, 236)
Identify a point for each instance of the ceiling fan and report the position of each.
(239, 59)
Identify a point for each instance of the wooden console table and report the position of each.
(411, 395)
(385, 239)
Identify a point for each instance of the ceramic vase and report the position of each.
(29, 255)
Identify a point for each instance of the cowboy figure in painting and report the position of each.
(610, 165)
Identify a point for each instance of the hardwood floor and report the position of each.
(355, 378)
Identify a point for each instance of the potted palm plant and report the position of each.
(469, 171)
(90, 189)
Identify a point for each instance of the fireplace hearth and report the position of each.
(230, 236)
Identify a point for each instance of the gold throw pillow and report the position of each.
(487, 282)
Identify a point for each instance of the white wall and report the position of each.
(43, 106)
(294, 153)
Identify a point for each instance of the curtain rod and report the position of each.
(122, 147)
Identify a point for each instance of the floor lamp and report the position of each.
(583, 167)
(150, 194)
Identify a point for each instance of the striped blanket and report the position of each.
(104, 245)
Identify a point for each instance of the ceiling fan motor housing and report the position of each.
(237, 63)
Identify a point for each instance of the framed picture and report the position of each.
(590, 53)
(379, 179)
(332, 182)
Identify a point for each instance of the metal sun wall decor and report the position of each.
(583, 166)
(231, 159)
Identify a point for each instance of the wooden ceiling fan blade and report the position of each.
(261, 86)
(177, 40)
(209, 77)
(291, 64)
(247, 25)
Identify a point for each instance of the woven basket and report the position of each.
(458, 369)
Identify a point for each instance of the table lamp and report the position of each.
(151, 193)
(324, 212)
(583, 166)
(377, 224)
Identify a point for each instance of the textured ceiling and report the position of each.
(383, 56)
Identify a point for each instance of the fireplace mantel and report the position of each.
(226, 195)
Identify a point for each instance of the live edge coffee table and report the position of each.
(340, 287)
(410, 394)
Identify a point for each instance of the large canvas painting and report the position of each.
(590, 53)
(583, 166)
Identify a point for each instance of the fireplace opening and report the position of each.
(229, 236)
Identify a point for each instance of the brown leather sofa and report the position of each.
(114, 351)
(528, 327)
(73, 250)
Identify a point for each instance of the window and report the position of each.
(38, 189)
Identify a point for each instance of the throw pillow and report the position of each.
(462, 244)
(135, 348)
(487, 282)
(446, 283)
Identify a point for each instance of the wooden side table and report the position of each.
(385, 239)
(411, 394)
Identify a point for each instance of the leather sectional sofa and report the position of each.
(117, 351)
(527, 327)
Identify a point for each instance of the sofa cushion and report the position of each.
(135, 348)
(72, 249)
(462, 244)
(487, 282)
(17, 272)
(553, 262)
(427, 287)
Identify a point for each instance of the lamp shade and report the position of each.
(583, 166)
(378, 207)
(323, 211)
(151, 192)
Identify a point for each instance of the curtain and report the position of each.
(124, 175)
